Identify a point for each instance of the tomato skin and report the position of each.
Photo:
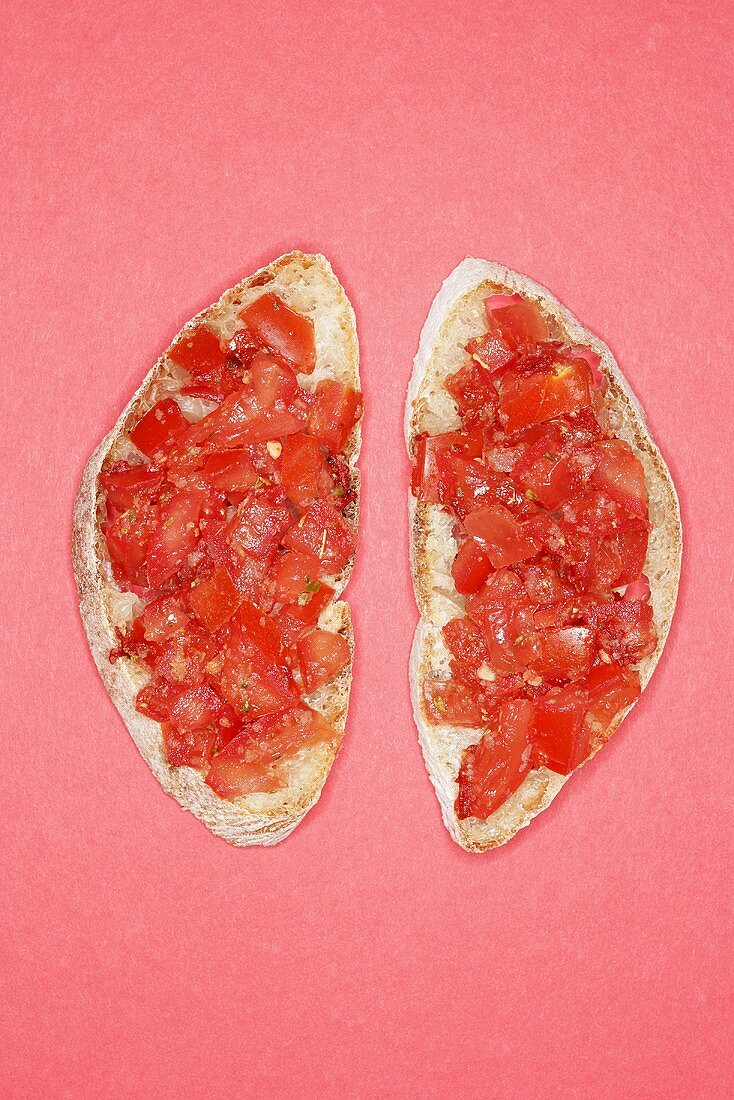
(174, 538)
(125, 485)
(231, 778)
(323, 531)
(273, 381)
(547, 473)
(533, 399)
(561, 741)
(321, 655)
(493, 769)
(294, 618)
(162, 618)
(231, 471)
(451, 701)
(565, 652)
(470, 568)
(333, 410)
(157, 698)
(620, 475)
(492, 352)
(260, 524)
(305, 473)
(215, 599)
(294, 577)
(500, 535)
(162, 424)
(288, 334)
(198, 351)
(611, 689)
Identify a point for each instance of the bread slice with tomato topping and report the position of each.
(546, 543)
(214, 532)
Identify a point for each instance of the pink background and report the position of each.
(153, 156)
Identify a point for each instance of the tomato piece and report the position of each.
(246, 572)
(333, 410)
(244, 345)
(500, 536)
(465, 641)
(512, 640)
(198, 351)
(162, 618)
(565, 652)
(536, 398)
(451, 701)
(252, 680)
(321, 655)
(620, 475)
(215, 384)
(429, 463)
(127, 539)
(125, 484)
(191, 748)
(611, 689)
(232, 471)
(196, 708)
(272, 380)
(305, 473)
(561, 741)
(323, 531)
(240, 420)
(157, 698)
(294, 618)
(155, 432)
(632, 546)
(260, 524)
(624, 629)
(493, 770)
(278, 735)
(518, 322)
(174, 538)
(475, 395)
(231, 778)
(294, 577)
(470, 567)
(547, 473)
(492, 352)
(501, 589)
(215, 598)
(183, 658)
(288, 334)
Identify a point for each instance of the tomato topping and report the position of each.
(333, 410)
(323, 531)
(127, 538)
(294, 618)
(261, 522)
(156, 431)
(253, 682)
(493, 769)
(305, 472)
(231, 777)
(321, 655)
(288, 334)
(272, 380)
(198, 351)
(196, 708)
(550, 517)
(125, 485)
(174, 538)
(215, 599)
(231, 472)
(156, 699)
(536, 398)
(162, 618)
(294, 577)
(190, 748)
(500, 535)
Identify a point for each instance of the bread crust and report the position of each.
(432, 547)
(307, 282)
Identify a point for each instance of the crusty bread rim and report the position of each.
(442, 745)
(258, 818)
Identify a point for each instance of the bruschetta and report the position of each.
(545, 549)
(214, 532)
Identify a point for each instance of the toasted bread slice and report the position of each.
(307, 284)
(456, 315)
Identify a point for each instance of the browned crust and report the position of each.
(441, 745)
(257, 819)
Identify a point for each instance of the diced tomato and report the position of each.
(261, 522)
(475, 395)
(638, 590)
(162, 618)
(561, 741)
(452, 702)
(625, 629)
(546, 472)
(244, 345)
(183, 658)
(564, 652)
(512, 640)
(277, 735)
(470, 567)
(431, 453)
(294, 577)
(216, 384)
(294, 618)
(125, 484)
(157, 698)
(305, 473)
(321, 655)
(127, 539)
(493, 770)
(196, 708)
(190, 748)
(246, 572)
(611, 690)
(632, 546)
(155, 432)
(620, 475)
(231, 471)
(198, 351)
(288, 334)
(215, 599)
(323, 531)
(501, 589)
(231, 778)
(252, 681)
(333, 410)
(174, 538)
(536, 398)
(492, 352)
(518, 322)
(240, 420)
(500, 535)
(273, 381)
